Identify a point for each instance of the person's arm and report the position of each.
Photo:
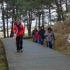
(14, 31)
(46, 34)
(22, 30)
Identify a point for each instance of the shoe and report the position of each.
(17, 50)
(21, 50)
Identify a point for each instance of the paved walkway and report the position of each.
(34, 57)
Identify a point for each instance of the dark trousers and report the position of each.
(41, 41)
(49, 44)
(19, 42)
(36, 41)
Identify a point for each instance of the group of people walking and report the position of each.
(41, 34)
(38, 35)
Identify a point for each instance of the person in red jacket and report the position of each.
(19, 30)
(37, 37)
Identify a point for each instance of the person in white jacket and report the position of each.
(68, 39)
(50, 38)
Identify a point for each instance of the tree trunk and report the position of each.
(3, 19)
(43, 20)
(66, 6)
(39, 21)
(36, 23)
(7, 22)
(49, 14)
(13, 19)
(62, 15)
(11, 34)
(29, 22)
(58, 10)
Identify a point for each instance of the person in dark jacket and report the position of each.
(41, 33)
(19, 30)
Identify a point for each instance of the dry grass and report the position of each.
(3, 61)
(62, 31)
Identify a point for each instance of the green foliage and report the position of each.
(29, 4)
